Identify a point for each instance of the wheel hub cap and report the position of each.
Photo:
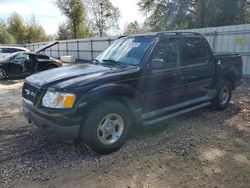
(224, 96)
(2, 74)
(110, 129)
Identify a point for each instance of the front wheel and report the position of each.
(106, 127)
(3, 74)
(223, 96)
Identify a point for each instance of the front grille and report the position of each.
(29, 92)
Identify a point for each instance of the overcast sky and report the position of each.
(49, 16)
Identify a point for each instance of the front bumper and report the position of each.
(48, 123)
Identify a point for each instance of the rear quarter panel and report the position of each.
(229, 64)
(44, 64)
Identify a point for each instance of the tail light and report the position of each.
(59, 62)
(241, 64)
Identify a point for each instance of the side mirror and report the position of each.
(11, 60)
(157, 63)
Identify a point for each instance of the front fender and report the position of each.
(2, 65)
(101, 93)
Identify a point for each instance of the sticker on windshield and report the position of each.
(135, 44)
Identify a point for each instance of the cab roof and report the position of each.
(166, 33)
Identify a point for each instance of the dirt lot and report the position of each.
(204, 149)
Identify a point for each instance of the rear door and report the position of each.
(198, 67)
(42, 62)
(164, 86)
(32, 64)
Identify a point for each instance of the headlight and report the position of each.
(58, 100)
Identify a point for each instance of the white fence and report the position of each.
(226, 39)
(81, 49)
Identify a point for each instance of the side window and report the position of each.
(194, 51)
(6, 50)
(12, 50)
(169, 51)
(21, 57)
(42, 57)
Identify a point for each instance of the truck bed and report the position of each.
(221, 56)
(229, 63)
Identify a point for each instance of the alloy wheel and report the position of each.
(110, 129)
(2, 74)
(224, 95)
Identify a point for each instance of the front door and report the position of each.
(18, 64)
(164, 85)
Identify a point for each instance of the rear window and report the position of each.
(10, 50)
(194, 51)
(5, 50)
(19, 50)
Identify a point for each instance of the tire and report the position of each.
(3, 74)
(223, 96)
(106, 127)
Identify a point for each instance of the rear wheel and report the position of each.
(223, 97)
(3, 74)
(106, 127)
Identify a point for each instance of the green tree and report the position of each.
(74, 10)
(63, 32)
(226, 12)
(16, 27)
(134, 28)
(184, 14)
(103, 15)
(18, 31)
(168, 14)
(5, 36)
(35, 32)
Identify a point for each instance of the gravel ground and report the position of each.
(202, 149)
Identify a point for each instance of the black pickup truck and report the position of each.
(143, 80)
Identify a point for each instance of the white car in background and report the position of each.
(6, 50)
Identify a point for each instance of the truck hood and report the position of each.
(38, 50)
(66, 76)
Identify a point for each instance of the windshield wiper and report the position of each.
(113, 62)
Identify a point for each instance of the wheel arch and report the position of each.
(231, 77)
(123, 94)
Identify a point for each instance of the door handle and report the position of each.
(177, 74)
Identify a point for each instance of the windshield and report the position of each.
(128, 51)
(11, 55)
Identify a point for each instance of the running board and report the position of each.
(163, 118)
